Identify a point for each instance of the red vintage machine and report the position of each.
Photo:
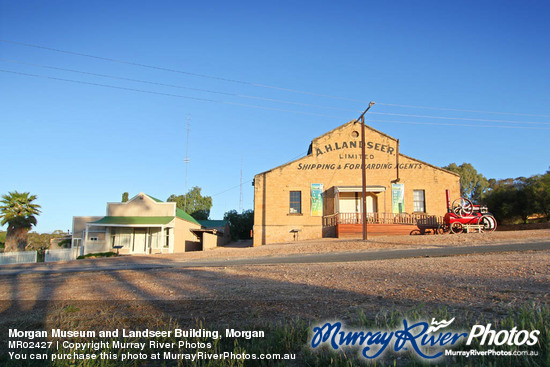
(463, 216)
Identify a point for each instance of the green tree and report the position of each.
(42, 241)
(501, 200)
(543, 194)
(539, 193)
(2, 238)
(473, 185)
(19, 212)
(240, 225)
(193, 203)
(511, 199)
(124, 197)
(526, 202)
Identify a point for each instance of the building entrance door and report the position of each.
(371, 203)
(140, 241)
(350, 202)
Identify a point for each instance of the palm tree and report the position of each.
(19, 212)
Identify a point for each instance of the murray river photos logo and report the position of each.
(427, 341)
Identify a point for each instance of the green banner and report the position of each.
(316, 200)
(398, 198)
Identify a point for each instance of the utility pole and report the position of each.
(363, 171)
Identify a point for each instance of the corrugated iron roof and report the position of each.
(179, 212)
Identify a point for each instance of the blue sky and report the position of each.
(77, 144)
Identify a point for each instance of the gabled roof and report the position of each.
(341, 127)
(154, 199)
(179, 213)
(367, 127)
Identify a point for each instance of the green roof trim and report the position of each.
(135, 220)
(155, 199)
(212, 223)
(183, 215)
(179, 213)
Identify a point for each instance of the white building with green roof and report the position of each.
(142, 225)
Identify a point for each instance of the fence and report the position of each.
(66, 254)
(92, 247)
(21, 257)
(380, 218)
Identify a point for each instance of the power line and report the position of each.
(122, 61)
(115, 77)
(271, 108)
(460, 118)
(461, 110)
(175, 86)
(248, 96)
(176, 71)
(460, 125)
(165, 94)
(253, 83)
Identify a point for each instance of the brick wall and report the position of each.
(334, 161)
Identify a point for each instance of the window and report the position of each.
(295, 202)
(155, 238)
(121, 237)
(419, 201)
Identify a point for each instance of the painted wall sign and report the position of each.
(316, 200)
(355, 166)
(331, 147)
(398, 198)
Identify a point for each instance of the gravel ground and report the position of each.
(491, 283)
(375, 243)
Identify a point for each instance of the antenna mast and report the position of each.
(241, 193)
(186, 160)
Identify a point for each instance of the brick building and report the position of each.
(320, 195)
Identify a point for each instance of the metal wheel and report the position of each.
(462, 207)
(415, 232)
(489, 223)
(442, 229)
(456, 227)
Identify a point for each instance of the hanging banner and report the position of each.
(398, 198)
(316, 200)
